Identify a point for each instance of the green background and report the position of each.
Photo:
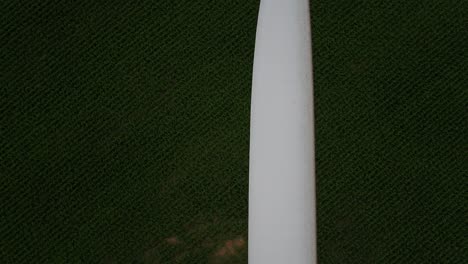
(124, 130)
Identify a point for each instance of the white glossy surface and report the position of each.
(282, 226)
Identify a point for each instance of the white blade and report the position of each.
(282, 226)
